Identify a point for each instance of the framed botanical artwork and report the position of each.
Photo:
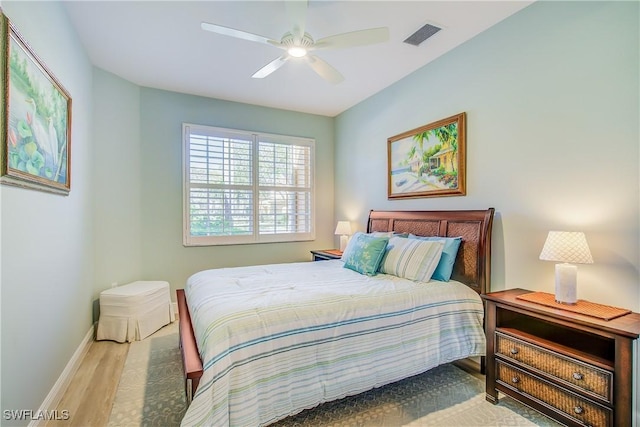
(35, 121)
(428, 161)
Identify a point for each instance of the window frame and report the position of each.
(256, 237)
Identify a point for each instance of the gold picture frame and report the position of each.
(429, 161)
(35, 119)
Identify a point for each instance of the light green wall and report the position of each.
(138, 175)
(552, 102)
(47, 240)
(163, 256)
(117, 177)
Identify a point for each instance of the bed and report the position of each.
(260, 343)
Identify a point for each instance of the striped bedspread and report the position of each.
(277, 339)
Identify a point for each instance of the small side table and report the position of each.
(326, 254)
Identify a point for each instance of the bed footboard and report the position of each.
(191, 363)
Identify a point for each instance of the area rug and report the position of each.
(444, 396)
(151, 393)
(151, 388)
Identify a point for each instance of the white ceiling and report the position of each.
(160, 44)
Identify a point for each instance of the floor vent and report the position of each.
(422, 34)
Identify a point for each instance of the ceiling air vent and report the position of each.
(422, 34)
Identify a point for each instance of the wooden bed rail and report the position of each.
(188, 347)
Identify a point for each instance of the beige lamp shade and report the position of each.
(343, 228)
(566, 246)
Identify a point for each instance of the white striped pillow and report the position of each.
(412, 259)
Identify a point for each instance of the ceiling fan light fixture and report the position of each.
(297, 51)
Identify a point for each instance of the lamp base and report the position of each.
(344, 239)
(566, 288)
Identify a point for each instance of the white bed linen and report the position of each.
(277, 339)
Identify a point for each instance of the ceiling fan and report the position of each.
(297, 43)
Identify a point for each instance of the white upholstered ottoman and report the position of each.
(134, 311)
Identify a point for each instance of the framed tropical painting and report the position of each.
(428, 161)
(35, 121)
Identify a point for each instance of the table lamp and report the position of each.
(343, 230)
(566, 247)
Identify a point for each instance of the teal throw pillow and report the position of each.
(445, 266)
(364, 253)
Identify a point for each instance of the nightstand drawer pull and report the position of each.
(515, 380)
(578, 410)
(577, 376)
(514, 351)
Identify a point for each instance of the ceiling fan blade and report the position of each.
(297, 14)
(232, 32)
(354, 38)
(270, 67)
(323, 69)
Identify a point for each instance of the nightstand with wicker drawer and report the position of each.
(559, 399)
(589, 378)
(573, 367)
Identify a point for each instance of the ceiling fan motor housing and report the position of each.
(289, 40)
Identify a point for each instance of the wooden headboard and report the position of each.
(473, 262)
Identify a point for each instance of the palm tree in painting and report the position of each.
(436, 162)
(448, 137)
(419, 150)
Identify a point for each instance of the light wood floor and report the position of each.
(90, 394)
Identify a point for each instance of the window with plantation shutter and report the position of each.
(246, 187)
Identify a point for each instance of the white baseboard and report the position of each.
(55, 395)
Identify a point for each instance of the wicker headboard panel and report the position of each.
(473, 262)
